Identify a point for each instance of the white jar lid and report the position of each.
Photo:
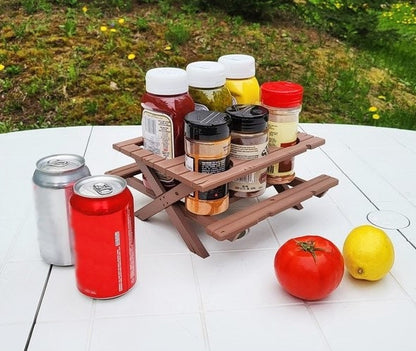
(205, 74)
(166, 81)
(238, 66)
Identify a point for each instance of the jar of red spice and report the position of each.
(284, 101)
(165, 104)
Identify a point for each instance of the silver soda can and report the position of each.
(53, 182)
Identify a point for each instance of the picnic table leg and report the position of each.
(175, 214)
(163, 201)
(283, 187)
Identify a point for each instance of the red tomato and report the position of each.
(309, 267)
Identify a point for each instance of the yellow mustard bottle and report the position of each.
(241, 81)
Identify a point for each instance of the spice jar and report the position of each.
(206, 81)
(240, 73)
(284, 102)
(207, 150)
(249, 139)
(165, 104)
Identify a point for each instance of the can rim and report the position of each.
(60, 162)
(100, 186)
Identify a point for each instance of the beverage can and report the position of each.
(53, 180)
(104, 239)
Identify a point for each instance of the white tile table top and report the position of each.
(230, 300)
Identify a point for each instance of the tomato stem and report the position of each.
(309, 246)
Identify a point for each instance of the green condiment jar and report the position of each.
(206, 81)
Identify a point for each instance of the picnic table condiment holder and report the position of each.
(228, 227)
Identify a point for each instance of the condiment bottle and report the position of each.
(284, 102)
(207, 150)
(206, 81)
(240, 73)
(249, 140)
(165, 104)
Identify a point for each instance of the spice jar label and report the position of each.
(254, 181)
(282, 133)
(248, 152)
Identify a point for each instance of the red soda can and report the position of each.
(104, 244)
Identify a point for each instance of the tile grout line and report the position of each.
(202, 311)
(321, 331)
(364, 194)
(42, 295)
(88, 141)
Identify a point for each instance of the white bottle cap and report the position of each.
(238, 66)
(205, 74)
(166, 81)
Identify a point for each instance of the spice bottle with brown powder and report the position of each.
(207, 150)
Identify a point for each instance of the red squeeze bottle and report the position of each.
(165, 104)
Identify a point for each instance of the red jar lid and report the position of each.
(281, 94)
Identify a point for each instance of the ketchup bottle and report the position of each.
(165, 104)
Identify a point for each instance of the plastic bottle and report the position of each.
(240, 72)
(206, 81)
(165, 104)
(284, 102)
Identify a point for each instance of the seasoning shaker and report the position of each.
(249, 140)
(284, 101)
(207, 150)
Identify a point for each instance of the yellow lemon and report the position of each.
(368, 253)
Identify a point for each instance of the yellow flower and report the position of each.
(2, 67)
(376, 116)
(381, 97)
(121, 21)
(131, 56)
(167, 47)
(85, 9)
(113, 30)
(103, 28)
(372, 109)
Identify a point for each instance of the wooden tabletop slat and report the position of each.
(202, 182)
(229, 227)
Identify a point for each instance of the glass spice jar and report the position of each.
(240, 73)
(206, 81)
(164, 106)
(249, 140)
(207, 150)
(284, 101)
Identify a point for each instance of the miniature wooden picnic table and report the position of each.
(225, 228)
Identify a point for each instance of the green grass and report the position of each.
(73, 65)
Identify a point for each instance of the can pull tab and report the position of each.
(58, 163)
(103, 188)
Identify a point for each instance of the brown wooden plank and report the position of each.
(140, 153)
(170, 162)
(175, 215)
(231, 226)
(127, 171)
(242, 169)
(163, 201)
(136, 141)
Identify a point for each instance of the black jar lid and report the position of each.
(207, 125)
(248, 118)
